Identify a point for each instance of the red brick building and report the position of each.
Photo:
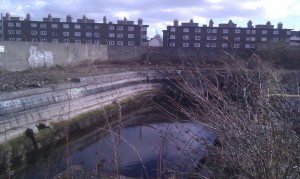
(191, 35)
(85, 31)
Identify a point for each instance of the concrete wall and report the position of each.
(18, 56)
(24, 109)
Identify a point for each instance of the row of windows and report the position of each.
(76, 26)
(225, 31)
(253, 39)
(224, 45)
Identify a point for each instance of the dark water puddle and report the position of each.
(138, 150)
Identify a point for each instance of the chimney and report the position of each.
(28, 17)
(279, 25)
(104, 19)
(140, 21)
(125, 20)
(175, 22)
(191, 21)
(49, 18)
(249, 24)
(211, 23)
(84, 18)
(7, 17)
(69, 18)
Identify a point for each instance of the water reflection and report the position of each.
(144, 150)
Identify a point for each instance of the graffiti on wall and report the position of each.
(40, 58)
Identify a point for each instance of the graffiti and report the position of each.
(40, 58)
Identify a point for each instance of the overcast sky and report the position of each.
(160, 13)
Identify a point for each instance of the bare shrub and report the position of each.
(252, 118)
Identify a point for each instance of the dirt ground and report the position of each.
(37, 78)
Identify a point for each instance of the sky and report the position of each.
(160, 13)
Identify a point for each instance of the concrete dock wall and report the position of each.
(25, 109)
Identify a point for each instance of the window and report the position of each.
(11, 39)
(213, 45)
(236, 46)
(43, 40)
(144, 36)
(54, 40)
(130, 43)
(208, 30)
(287, 32)
(214, 31)
(224, 45)
(144, 43)
(196, 44)
(88, 42)
(225, 37)
(18, 32)
(237, 31)
(197, 37)
(186, 37)
(131, 36)
(172, 44)
(66, 26)
(144, 28)
(33, 32)
(119, 36)
(66, 41)
(214, 38)
(77, 34)
(96, 34)
(173, 29)
(54, 26)
(111, 27)
(18, 24)
(130, 28)
(43, 32)
(185, 45)
(89, 34)
(208, 38)
(11, 32)
(119, 42)
(77, 26)
(43, 25)
(253, 31)
(11, 24)
(172, 36)
(207, 44)
(33, 24)
(264, 39)
(54, 33)
(248, 31)
(253, 39)
(250, 46)
(34, 40)
(186, 30)
(111, 35)
(276, 32)
(237, 38)
(18, 39)
(97, 26)
(275, 39)
(111, 42)
(119, 27)
(225, 31)
(97, 42)
(67, 34)
(197, 30)
(264, 32)
(77, 41)
(89, 27)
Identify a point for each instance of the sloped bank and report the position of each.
(32, 108)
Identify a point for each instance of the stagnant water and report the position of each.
(144, 147)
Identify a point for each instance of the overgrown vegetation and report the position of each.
(255, 122)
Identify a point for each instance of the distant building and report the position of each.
(83, 31)
(156, 41)
(227, 35)
(295, 39)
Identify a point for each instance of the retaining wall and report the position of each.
(25, 109)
